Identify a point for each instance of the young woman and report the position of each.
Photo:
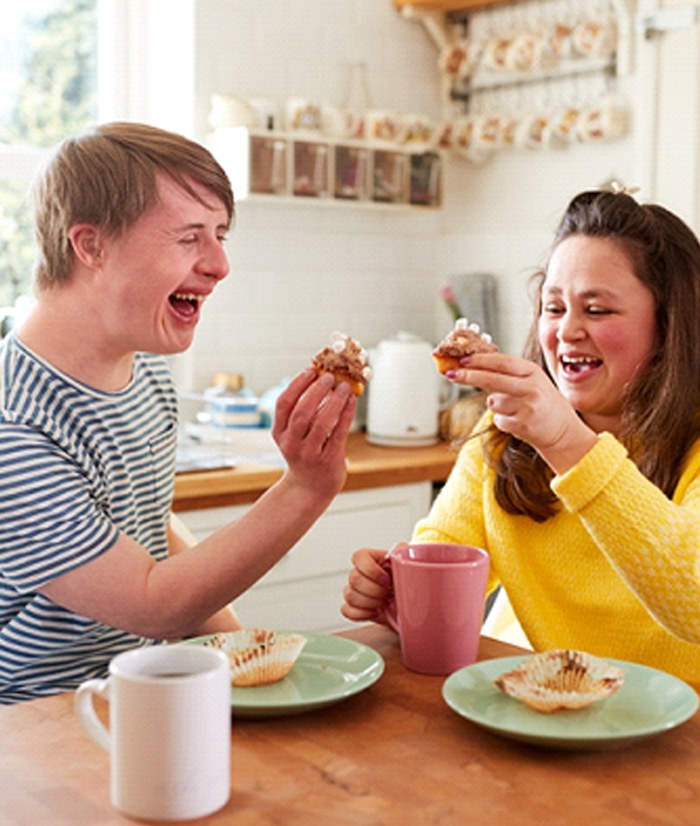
(583, 479)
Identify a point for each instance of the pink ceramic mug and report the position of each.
(438, 604)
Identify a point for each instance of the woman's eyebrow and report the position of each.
(598, 292)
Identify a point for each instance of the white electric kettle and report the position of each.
(404, 395)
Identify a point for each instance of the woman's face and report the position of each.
(597, 327)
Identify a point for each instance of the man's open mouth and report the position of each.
(186, 304)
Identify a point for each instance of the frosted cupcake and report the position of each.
(346, 360)
(464, 340)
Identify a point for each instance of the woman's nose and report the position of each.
(571, 327)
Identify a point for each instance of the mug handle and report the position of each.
(85, 710)
(389, 612)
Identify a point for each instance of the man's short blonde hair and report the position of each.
(107, 176)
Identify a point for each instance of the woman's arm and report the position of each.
(652, 542)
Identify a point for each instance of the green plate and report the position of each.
(329, 669)
(649, 702)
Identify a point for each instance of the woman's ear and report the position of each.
(86, 241)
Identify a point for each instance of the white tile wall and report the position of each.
(299, 272)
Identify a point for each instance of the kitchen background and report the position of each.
(303, 267)
(301, 270)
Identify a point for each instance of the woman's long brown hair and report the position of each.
(661, 409)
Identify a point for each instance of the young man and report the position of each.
(131, 223)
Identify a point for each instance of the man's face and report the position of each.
(156, 275)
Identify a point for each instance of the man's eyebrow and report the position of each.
(200, 225)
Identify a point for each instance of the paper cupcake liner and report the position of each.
(259, 656)
(561, 678)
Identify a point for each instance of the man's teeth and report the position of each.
(188, 297)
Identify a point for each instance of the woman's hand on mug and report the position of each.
(368, 588)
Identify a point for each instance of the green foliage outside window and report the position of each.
(57, 97)
(16, 242)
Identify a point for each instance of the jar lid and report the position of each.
(229, 381)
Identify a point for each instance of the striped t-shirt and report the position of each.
(78, 466)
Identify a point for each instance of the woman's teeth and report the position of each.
(578, 363)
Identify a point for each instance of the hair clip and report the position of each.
(618, 188)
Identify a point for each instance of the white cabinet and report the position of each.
(304, 590)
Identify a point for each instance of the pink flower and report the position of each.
(448, 296)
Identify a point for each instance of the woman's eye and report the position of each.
(597, 311)
(552, 309)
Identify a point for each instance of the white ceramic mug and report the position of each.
(608, 119)
(525, 52)
(230, 112)
(169, 734)
(595, 38)
(534, 131)
(303, 115)
(487, 132)
(383, 126)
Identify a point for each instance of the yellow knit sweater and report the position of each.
(616, 572)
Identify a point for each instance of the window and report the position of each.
(65, 64)
(48, 83)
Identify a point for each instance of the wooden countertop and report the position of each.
(369, 466)
(391, 755)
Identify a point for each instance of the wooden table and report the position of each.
(369, 466)
(393, 754)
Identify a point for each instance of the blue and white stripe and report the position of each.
(77, 468)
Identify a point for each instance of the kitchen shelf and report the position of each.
(307, 167)
(451, 5)
(529, 73)
(569, 70)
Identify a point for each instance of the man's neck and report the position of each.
(68, 339)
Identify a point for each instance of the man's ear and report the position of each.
(86, 241)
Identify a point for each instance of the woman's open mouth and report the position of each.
(579, 365)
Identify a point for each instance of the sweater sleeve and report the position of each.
(457, 514)
(652, 542)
